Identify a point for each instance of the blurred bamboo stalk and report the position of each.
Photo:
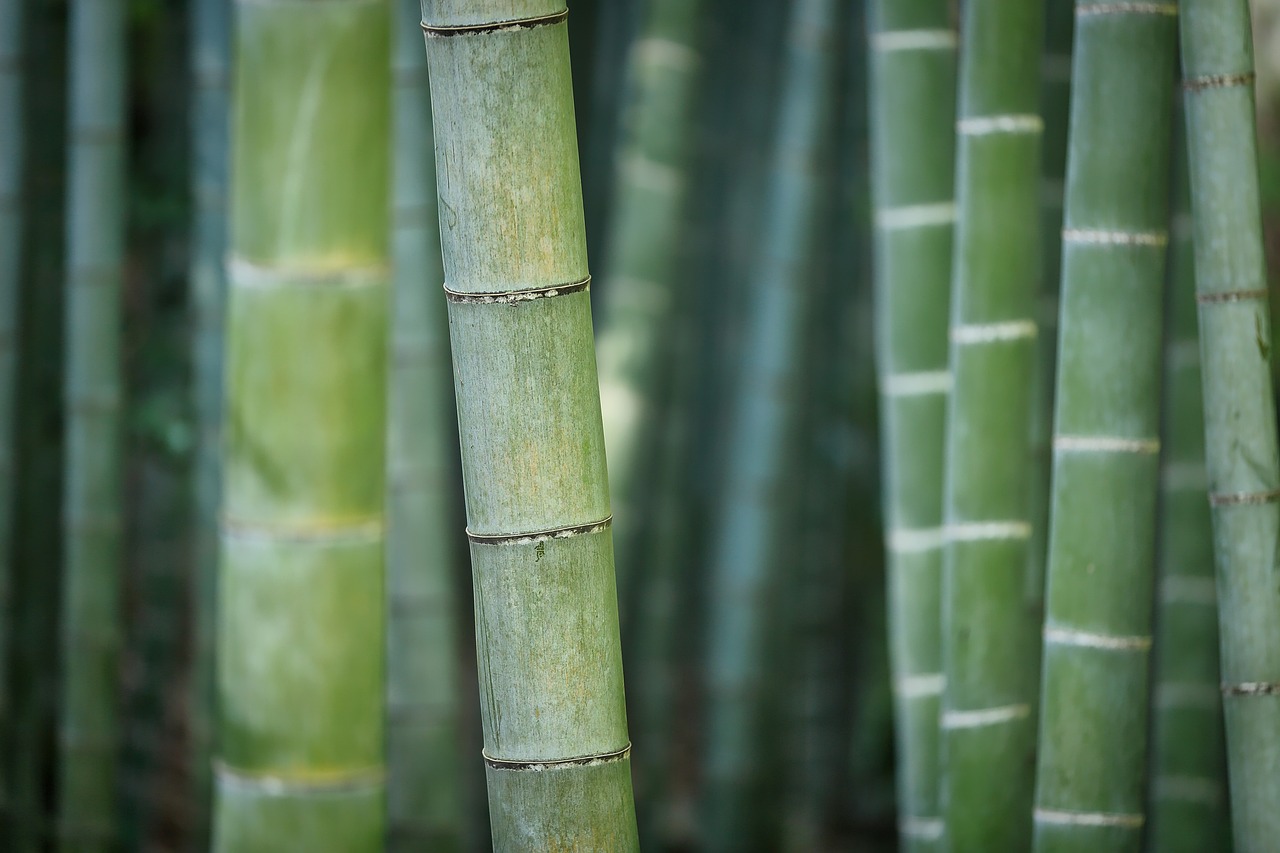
(1239, 402)
(301, 644)
(913, 83)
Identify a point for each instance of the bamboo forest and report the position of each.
(689, 426)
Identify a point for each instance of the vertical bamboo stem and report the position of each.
(555, 731)
(1239, 404)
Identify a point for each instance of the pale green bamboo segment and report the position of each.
(301, 598)
(537, 493)
(644, 254)
(88, 736)
(1097, 633)
(1187, 789)
(913, 109)
(424, 797)
(989, 648)
(1239, 407)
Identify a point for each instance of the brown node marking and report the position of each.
(512, 297)
(447, 31)
(1230, 296)
(1251, 688)
(1218, 81)
(1244, 498)
(602, 758)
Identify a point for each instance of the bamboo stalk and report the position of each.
(913, 108)
(752, 526)
(1239, 404)
(210, 112)
(555, 731)
(424, 799)
(1187, 792)
(1097, 633)
(92, 519)
(300, 626)
(988, 732)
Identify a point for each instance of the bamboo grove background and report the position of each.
(783, 678)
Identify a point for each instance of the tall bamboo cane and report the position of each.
(1187, 791)
(300, 640)
(913, 66)
(555, 731)
(91, 626)
(1097, 633)
(424, 799)
(1239, 406)
(988, 733)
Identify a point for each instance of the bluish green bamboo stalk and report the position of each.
(751, 531)
(89, 736)
(516, 278)
(210, 22)
(301, 641)
(1239, 404)
(424, 797)
(913, 68)
(1097, 633)
(1187, 792)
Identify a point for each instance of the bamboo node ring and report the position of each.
(1251, 688)
(555, 763)
(447, 30)
(1244, 498)
(1218, 81)
(1169, 9)
(1231, 296)
(512, 297)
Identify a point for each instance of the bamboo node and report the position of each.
(353, 781)
(917, 540)
(1244, 498)
(985, 716)
(1251, 688)
(989, 333)
(889, 42)
(1229, 296)
(557, 763)
(513, 297)
(923, 828)
(447, 31)
(987, 125)
(540, 536)
(1104, 237)
(916, 216)
(920, 686)
(1086, 9)
(1118, 820)
(916, 384)
(1106, 444)
(1218, 81)
(986, 531)
(1088, 640)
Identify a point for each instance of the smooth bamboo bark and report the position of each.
(1097, 631)
(913, 103)
(1239, 404)
(89, 736)
(424, 797)
(210, 22)
(1187, 791)
(989, 659)
(752, 528)
(516, 280)
(301, 597)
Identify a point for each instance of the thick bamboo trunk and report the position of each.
(913, 68)
(516, 280)
(989, 647)
(89, 736)
(424, 797)
(1187, 790)
(1239, 405)
(210, 22)
(301, 598)
(1097, 631)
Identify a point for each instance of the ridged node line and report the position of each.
(450, 30)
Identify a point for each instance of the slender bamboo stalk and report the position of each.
(89, 737)
(913, 108)
(988, 732)
(555, 730)
(752, 528)
(1097, 632)
(1187, 793)
(1239, 404)
(300, 626)
(424, 805)
(210, 23)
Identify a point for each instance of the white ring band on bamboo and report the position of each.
(357, 531)
(917, 540)
(987, 531)
(914, 40)
(351, 781)
(1071, 818)
(1168, 9)
(1188, 789)
(1251, 688)
(242, 272)
(1181, 589)
(987, 125)
(920, 686)
(989, 333)
(1105, 444)
(923, 828)
(984, 717)
(916, 384)
(1182, 695)
(916, 216)
(1106, 237)
(666, 53)
(1089, 640)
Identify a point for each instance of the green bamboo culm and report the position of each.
(89, 734)
(533, 462)
(989, 634)
(424, 798)
(1097, 631)
(913, 108)
(1187, 791)
(301, 596)
(1239, 404)
(754, 526)
(210, 22)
